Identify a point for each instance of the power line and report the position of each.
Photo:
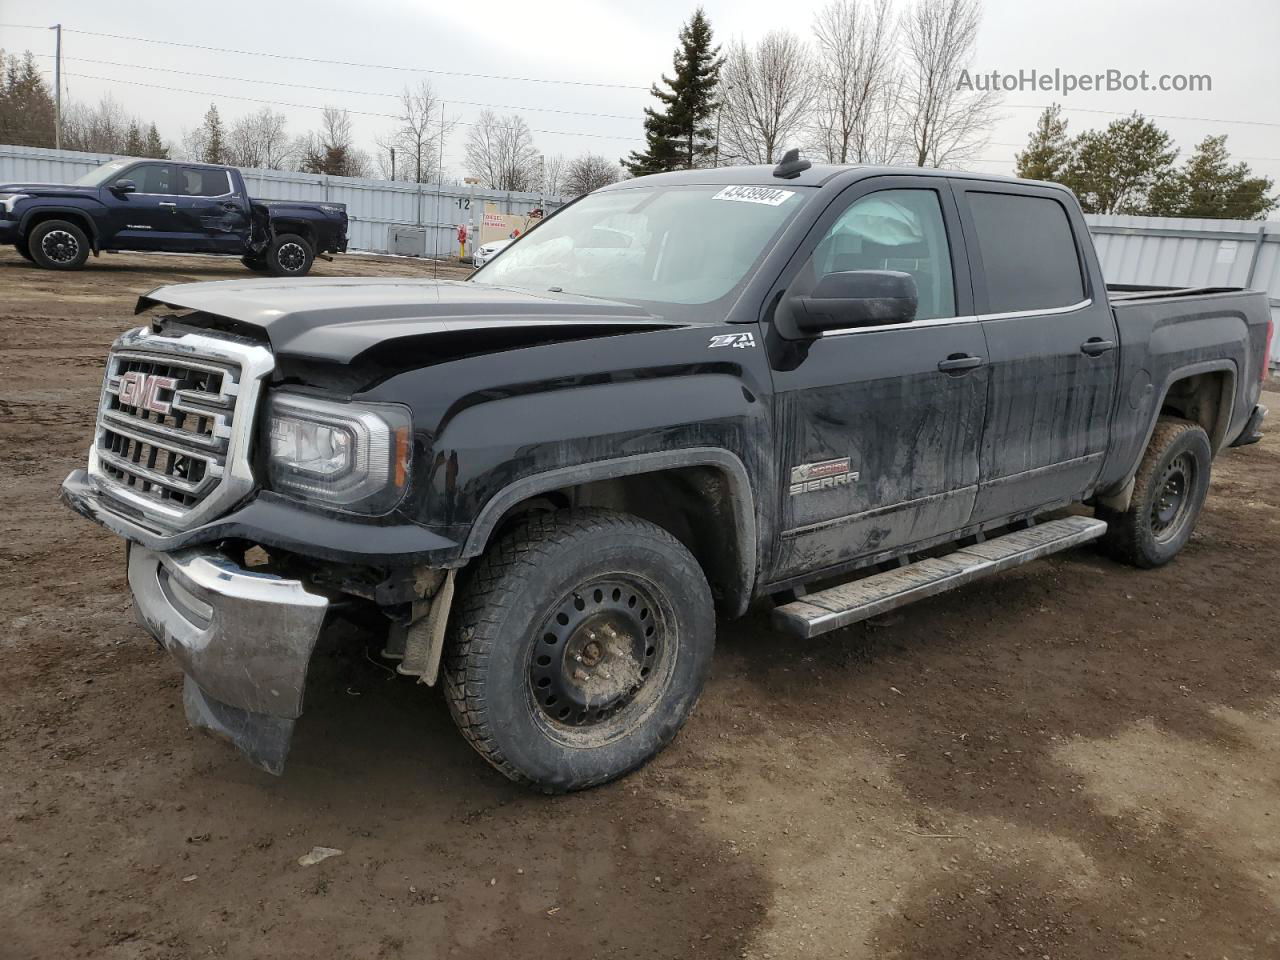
(312, 106)
(1157, 116)
(350, 63)
(306, 86)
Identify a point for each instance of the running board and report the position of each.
(881, 592)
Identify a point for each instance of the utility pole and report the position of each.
(57, 86)
(393, 163)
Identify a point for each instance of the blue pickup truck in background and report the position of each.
(167, 205)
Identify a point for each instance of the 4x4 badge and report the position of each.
(739, 340)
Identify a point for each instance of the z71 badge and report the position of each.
(823, 475)
(739, 340)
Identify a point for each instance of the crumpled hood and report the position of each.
(337, 318)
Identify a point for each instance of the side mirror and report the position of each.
(851, 298)
(124, 186)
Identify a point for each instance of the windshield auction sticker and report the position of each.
(766, 195)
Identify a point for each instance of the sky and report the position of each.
(586, 65)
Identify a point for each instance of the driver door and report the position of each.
(147, 218)
(879, 426)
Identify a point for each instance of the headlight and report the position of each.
(354, 456)
(7, 200)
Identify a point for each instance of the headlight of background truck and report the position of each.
(352, 456)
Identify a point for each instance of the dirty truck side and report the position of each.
(676, 396)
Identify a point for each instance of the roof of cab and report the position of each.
(817, 175)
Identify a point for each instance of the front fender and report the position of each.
(85, 215)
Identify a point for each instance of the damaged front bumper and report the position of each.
(244, 639)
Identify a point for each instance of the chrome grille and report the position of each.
(175, 424)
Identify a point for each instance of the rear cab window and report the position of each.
(1028, 250)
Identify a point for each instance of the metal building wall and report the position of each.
(1176, 252)
(374, 207)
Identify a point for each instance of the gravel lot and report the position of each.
(1073, 759)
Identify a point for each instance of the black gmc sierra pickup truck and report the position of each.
(169, 206)
(838, 388)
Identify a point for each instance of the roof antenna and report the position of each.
(791, 166)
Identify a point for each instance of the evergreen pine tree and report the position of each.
(134, 146)
(1209, 185)
(26, 104)
(1048, 153)
(154, 146)
(678, 134)
(215, 150)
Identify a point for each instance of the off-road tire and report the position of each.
(503, 621)
(58, 245)
(258, 263)
(289, 255)
(1136, 536)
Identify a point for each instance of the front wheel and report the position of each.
(58, 245)
(289, 255)
(1169, 491)
(578, 648)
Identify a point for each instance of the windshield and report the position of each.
(664, 245)
(100, 175)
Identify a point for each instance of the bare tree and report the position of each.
(589, 172)
(260, 140)
(766, 91)
(947, 123)
(332, 149)
(501, 153)
(856, 77)
(418, 139)
(553, 172)
(100, 129)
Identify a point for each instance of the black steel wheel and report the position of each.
(578, 646)
(1169, 491)
(598, 650)
(58, 245)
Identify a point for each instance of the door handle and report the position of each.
(959, 363)
(1096, 346)
(167, 203)
(229, 206)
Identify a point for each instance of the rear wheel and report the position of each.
(578, 648)
(58, 245)
(289, 255)
(1169, 491)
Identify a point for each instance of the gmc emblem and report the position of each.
(142, 390)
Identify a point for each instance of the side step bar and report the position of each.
(879, 593)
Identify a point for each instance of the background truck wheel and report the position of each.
(257, 264)
(24, 251)
(1169, 490)
(289, 255)
(578, 647)
(58, 245)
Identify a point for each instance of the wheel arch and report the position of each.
(301, 228)
(80, 217)
(702, 496)
(1203, 393)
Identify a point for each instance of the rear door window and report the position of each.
(200, 182)
(1028, 252)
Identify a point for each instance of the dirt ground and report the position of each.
(1072, 760)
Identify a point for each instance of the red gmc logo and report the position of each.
(142, 390)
